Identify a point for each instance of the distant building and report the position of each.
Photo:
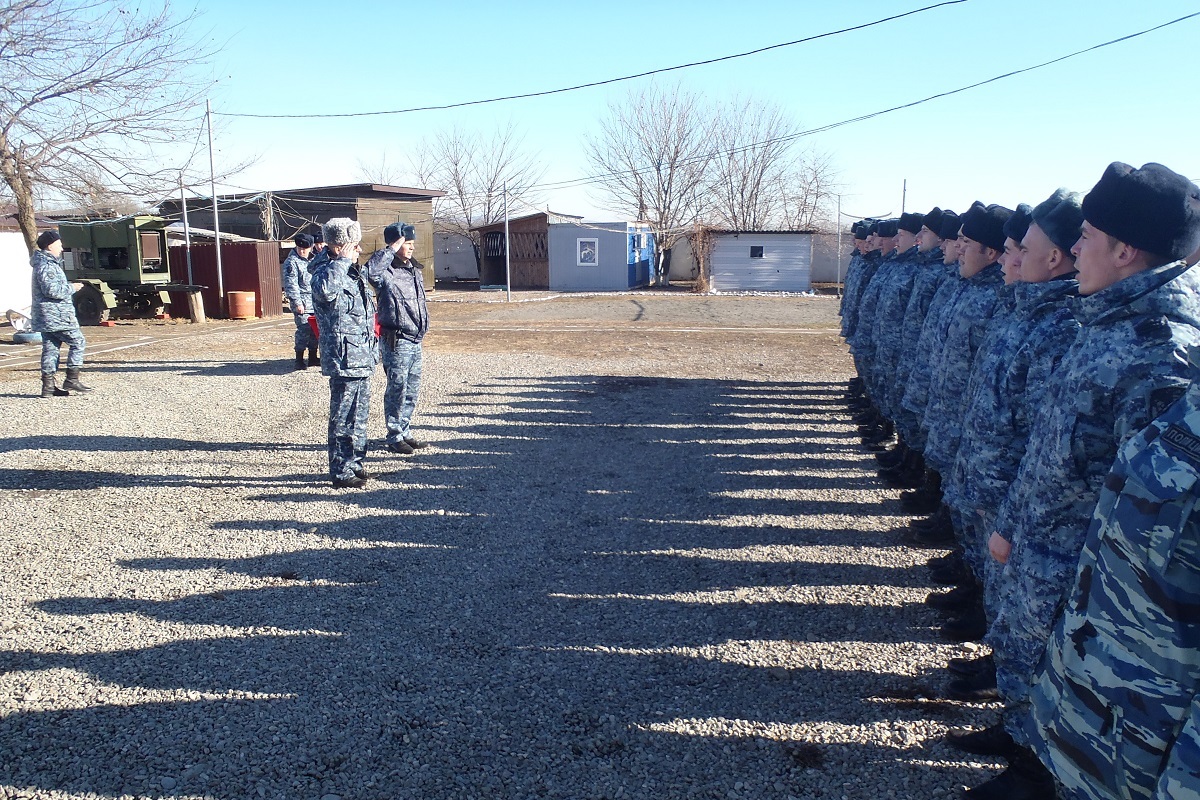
(281, 215)
(751, 261)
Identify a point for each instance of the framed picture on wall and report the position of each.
(587, 252)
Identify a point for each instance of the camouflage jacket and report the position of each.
(862, 343)
(965, 333)
(931, 273)
(889, 316)
(854, 293)
(1007, 381)
(53, 303)
(1123, 666)
(930, 343)
(851, 280)
(345, 309)
(1127, 364)
(296, 283)
(1178, 778)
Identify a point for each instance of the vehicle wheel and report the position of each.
(89, 306)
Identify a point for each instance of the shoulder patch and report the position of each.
(1182, 440)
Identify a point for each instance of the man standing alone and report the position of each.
(54, 316)
(299, 295)
(403, 321)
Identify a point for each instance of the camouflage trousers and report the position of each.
(349, 404)
(1178, 778)
(402, 362)
(305, 338)
(52, 341)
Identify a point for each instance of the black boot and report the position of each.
(50, 388)
(926, 499)
(1025, 779)
(300, 360)
(969, 666)
(993, 741)
(970, 627)
(314, 360)
(958, 600)
(72, 383)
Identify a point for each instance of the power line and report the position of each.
(574, 182)
(597, 83)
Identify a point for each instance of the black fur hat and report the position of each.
(1152, 208)
(911, 222)
(888, 228)
(47, 238)
(986, 225)
(948, 227)
(861, 229)
(933, 220)
(303, 240)
(1018, 223)
(1060, 217)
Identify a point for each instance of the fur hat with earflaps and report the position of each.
(341, 231)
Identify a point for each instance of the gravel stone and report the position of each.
(643, 557)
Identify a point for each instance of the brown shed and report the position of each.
(529, 250)
(246, 267)
(283, 214)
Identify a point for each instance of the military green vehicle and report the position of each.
(122, 265)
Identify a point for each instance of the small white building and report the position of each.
(16, 276)
(751, 261)
(454, 257)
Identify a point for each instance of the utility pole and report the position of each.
(839, 252)
(187, 231)
(212, 172)
(904, 195)
(507, 250)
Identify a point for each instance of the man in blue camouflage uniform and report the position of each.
(873, 425)
(1122, 669)
(403, 321)
(1180, 777)
(1139, 312)
(1005, 394)
(345, 309)
(938, 258)
(54, 317)
(889, 310)
(853, 276)
(299, 295)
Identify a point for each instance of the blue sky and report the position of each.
(1012, 141)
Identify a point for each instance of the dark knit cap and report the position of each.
(1060, 217)
(1018, 223)
(1152, 208)
(397, 231)
(888, 228)
(47, 238)
(933, 220)
(986, 225)
(303, 240)
(950, 224)
(911, 222)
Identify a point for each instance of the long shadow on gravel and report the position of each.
(640, 591)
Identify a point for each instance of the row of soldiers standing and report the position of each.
(1029, 375)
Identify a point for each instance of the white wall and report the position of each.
(784, 266)
(15, 274)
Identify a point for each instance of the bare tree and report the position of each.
(653, 154)
(93, 94)
(753, 157)
(471, 168)
(808, 188)
(382, 171)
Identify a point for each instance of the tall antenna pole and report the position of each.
(212, 172)
(187, 231)
(507, 250)
(839, 255)
(904, 196)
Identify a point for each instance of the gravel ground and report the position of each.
(644, 558)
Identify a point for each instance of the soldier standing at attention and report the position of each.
(345, 310)
(1139, 313)
(299, 295)
(403, 321)
(54, 316)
